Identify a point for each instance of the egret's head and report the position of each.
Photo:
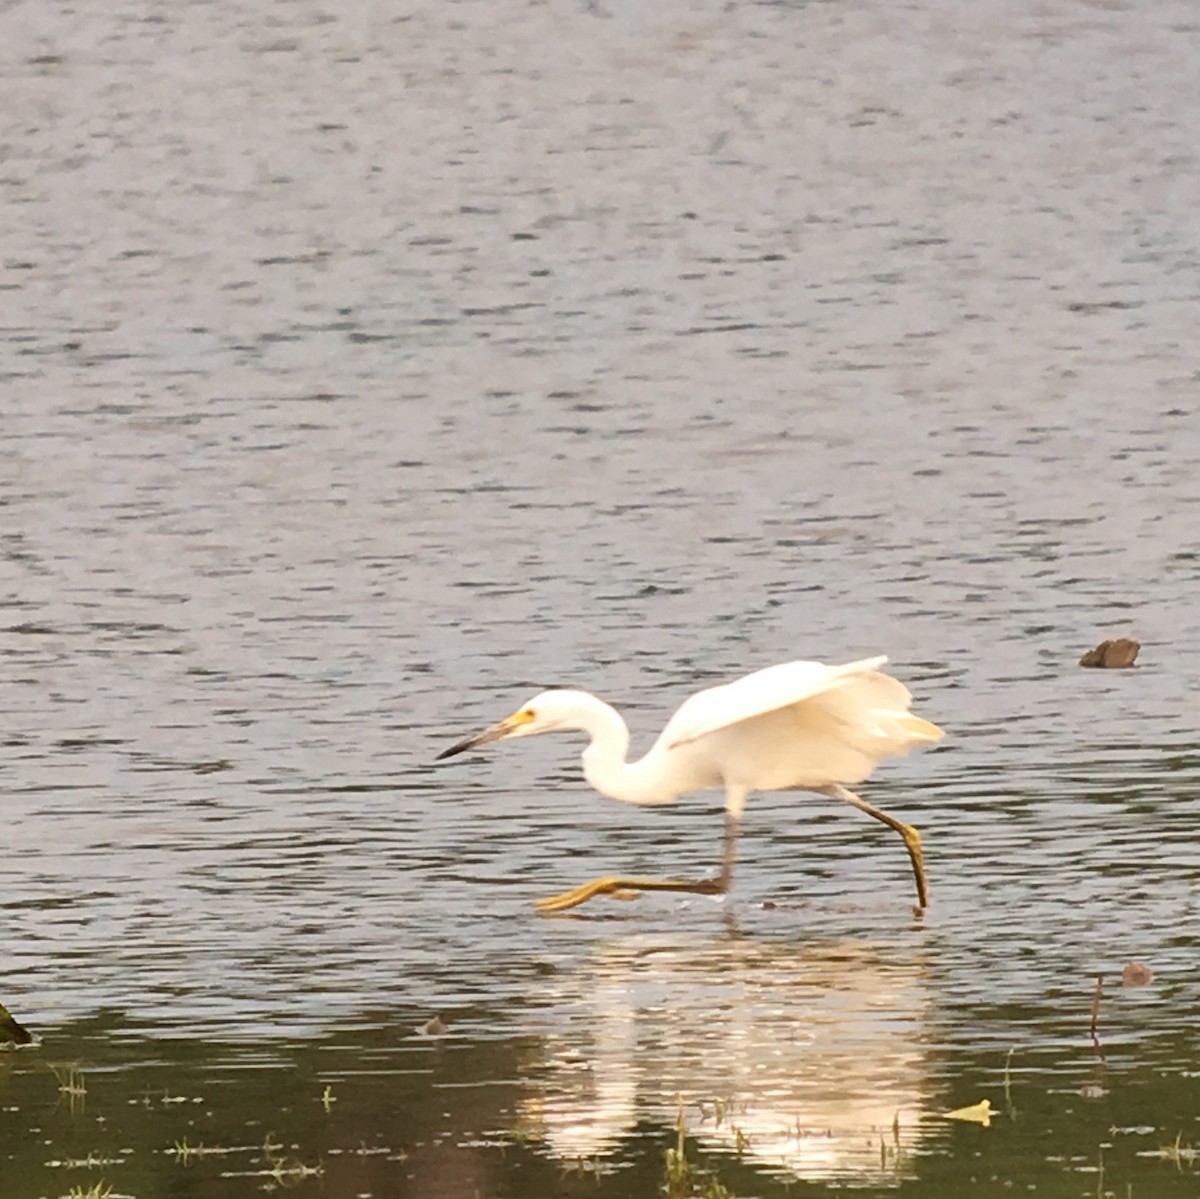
(543, 714)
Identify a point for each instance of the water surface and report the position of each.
(365, 370)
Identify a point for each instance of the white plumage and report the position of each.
(796, 726)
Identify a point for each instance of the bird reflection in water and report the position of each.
(802, 1060)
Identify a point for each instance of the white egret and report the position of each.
(800, 726)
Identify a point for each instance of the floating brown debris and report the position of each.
(10, 1031)
(1115, 655)
(1136, 975)
(437, 1027)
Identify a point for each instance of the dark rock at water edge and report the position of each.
(1115, 655)
(10, 1031)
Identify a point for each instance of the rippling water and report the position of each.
(367, 368)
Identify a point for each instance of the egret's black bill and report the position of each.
(493, 734)
(509, 725)
(459, 748)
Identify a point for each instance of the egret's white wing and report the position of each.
(758, 693)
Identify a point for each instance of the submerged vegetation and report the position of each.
(1179, 1153)
(684, 1178)
(72, 1086)
(97, 1190)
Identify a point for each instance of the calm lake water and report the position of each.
(367, 367)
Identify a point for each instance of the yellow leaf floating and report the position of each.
(977, 1113)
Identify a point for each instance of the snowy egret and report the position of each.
(800, 726)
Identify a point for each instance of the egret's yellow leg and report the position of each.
(912, 839)
(620, 887)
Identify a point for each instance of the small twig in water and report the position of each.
(1096, 1008)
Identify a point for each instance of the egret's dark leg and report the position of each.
(729, 853)
(912, 839)
(623, 887)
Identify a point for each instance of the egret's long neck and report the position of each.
(604, 764)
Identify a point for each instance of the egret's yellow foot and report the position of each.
(912, 842)
(912, 839)
(625, 888)
(578, 895)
